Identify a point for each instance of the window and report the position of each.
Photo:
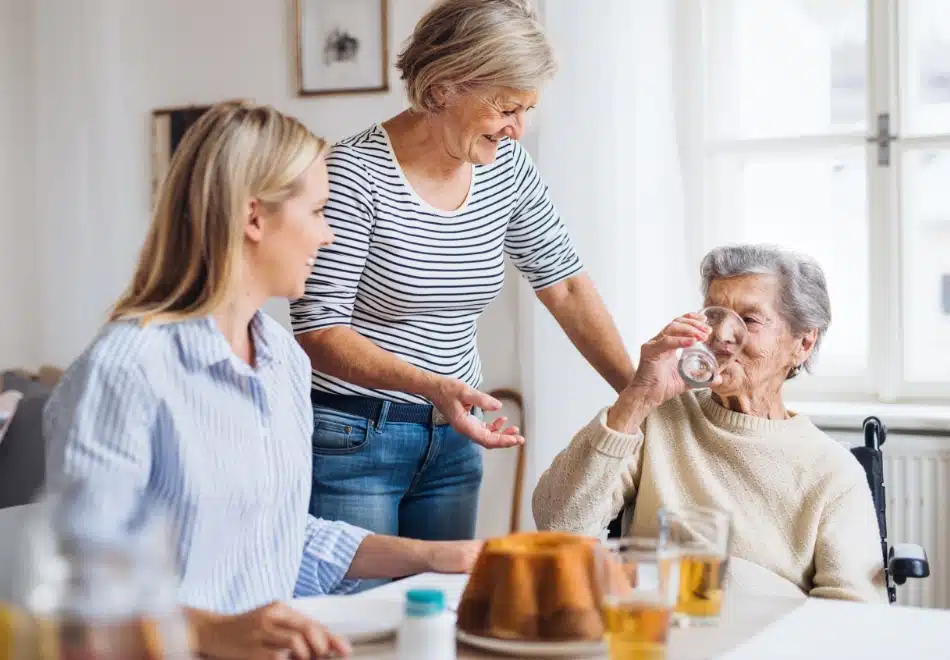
(797, 94)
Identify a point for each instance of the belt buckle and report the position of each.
(438, 419)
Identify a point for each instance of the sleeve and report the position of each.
(589, 482)
(98, 422)
(328, 551)
(331, 288)
(848, 560)
(537, 241)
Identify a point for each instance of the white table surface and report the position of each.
(754, 628)
(742, 618)
(835, 630)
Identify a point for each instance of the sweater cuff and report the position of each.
(612, 443)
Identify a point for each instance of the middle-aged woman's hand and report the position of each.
(275, 631)
(455, 400)
(657, 375)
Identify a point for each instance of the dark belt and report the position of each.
(371, 408)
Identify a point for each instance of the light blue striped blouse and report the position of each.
(223, 447)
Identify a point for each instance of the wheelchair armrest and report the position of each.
(907, 560)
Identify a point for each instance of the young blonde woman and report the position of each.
(426, 206)
(203, 402)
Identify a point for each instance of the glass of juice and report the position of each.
(638, 579)
(701, 537)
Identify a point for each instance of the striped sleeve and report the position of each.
(333, 283)
(97, 423)
(537, 241)
(328, 551)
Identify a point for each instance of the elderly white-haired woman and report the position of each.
(801, 509)
(425, 207)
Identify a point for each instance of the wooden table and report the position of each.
(742, 618)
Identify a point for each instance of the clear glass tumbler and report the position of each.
(701, 536)
(700, 363)
(638, 584)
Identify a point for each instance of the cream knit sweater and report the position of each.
(801, 506)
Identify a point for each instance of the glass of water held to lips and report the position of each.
(700, 363)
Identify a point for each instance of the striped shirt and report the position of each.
(223, 447)
(412, 278)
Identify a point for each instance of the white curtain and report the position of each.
(612, 129)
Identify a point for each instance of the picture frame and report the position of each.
(168, 126)
(341, 46)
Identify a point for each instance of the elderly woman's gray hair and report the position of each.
(460, 46)
(804, 292)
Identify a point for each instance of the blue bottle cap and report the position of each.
(424, 602)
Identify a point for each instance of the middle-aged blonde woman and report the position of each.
(425, 206)
(202, 403)
(802, 514)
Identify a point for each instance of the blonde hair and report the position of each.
(189, 262)
(461, 46)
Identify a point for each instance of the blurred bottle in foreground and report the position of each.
(96, 580)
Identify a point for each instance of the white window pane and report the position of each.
(925, 67)
(814, 203)
(926, 265)
(783, 68)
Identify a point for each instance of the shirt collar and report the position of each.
(202, 344)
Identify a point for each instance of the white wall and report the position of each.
(608, 144)
(498, 336)
(17, 220)
(89, 73)
(101, 67)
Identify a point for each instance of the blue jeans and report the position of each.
(410, 480)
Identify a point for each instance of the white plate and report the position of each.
(360, 620)
(534, 649)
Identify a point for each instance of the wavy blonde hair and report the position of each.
(461, 46)
(189, 262)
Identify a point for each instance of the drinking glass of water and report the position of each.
(700, 363)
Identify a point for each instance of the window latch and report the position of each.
(883, 139)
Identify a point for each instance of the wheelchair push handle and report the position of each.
(875, 433)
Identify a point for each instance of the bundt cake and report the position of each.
(534, 586)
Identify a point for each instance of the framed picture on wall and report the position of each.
(341, 46)
(168, 127)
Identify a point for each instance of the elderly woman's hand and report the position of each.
(657, 374)
(657, 379)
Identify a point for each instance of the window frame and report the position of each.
(887, 34)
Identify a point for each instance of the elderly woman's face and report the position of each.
(770, 350)
(475, 123)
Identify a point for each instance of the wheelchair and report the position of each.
(902, 561)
